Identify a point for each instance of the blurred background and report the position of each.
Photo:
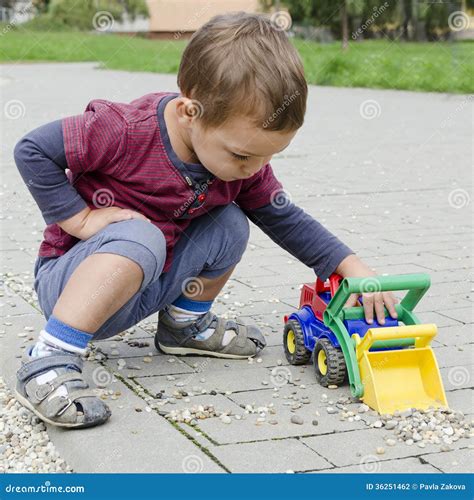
(416, 45)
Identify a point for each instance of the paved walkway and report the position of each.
(389, 172)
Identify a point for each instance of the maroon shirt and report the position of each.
(117, 156)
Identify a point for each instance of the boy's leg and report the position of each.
(204, 259)
(98, 281)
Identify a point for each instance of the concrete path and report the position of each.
(389, 172)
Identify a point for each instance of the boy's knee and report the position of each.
(139, 241)
(237, 227)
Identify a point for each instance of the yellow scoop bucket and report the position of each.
(390, 368)
(399, 379)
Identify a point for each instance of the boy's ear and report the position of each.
(185, 110)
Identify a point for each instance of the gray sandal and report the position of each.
(174, 337)
(79, 408)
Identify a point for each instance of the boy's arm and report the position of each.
(41, 161)
(91, 141)
(264, 202)
(302, 236)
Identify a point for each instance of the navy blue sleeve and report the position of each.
(41, 161)
(302, 236)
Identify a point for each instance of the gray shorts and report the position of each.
(209, 247)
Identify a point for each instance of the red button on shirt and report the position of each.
(201, 198)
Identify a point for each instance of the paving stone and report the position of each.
(461, 400)
(131, 442)
(374, 465)
(438, 319)
(13, 305)
(464, 315)
(452, 356)
(457, 377)
(219, 380)
(362, 443)
(220, 402)
(452, 462)
(455, 335)
(137, 367)
(269, 457)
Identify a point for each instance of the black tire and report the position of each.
(300, 355)
(336, 371)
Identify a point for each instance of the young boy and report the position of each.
(152, 213)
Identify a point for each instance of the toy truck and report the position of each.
(390, 367)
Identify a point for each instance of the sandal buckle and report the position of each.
(44, 396)
(60, 412)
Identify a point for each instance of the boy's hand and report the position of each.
(89, 222)
(353, 267)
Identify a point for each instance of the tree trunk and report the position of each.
(345, 25)
(407, 14)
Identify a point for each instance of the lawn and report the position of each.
(434, 67)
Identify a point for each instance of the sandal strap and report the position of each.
(45, 363)
(196, 327)
(57, 406)
(38, 392)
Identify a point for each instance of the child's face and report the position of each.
(235, 150)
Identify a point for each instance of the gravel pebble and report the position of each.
(363, 408)
(296, 419)
(26, 446)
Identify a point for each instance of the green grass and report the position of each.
(435, 67)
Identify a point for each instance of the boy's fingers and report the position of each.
(137, 215)
(390, 301)
(369, 307)
(379, 310)
(125, 214)
(352, 300)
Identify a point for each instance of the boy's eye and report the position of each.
(240, 157)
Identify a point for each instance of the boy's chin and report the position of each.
(227, 179)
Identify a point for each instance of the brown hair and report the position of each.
(243, 64)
